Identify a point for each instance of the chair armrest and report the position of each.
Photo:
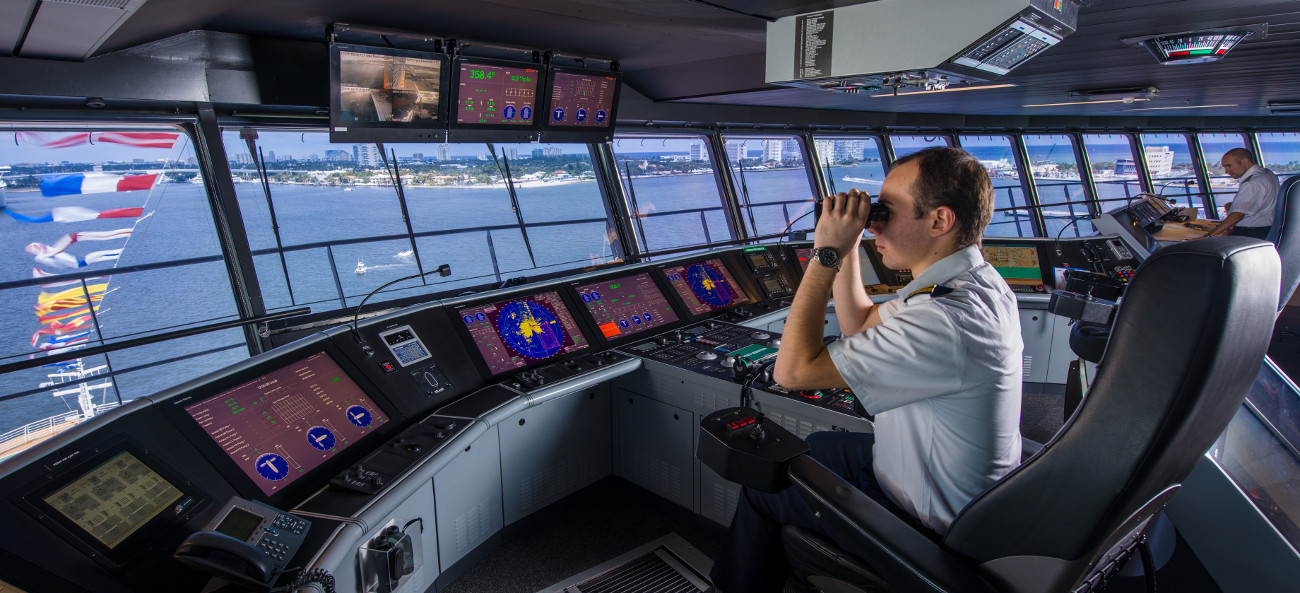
(904, 557)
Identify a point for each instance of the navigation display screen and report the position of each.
(519, 332)
(280, 426)
(388, 88)
(626, 306)
(706, 286)
(498, 95)
(582, 100)
(1014, 262)
(114, 500)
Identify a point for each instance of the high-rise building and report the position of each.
(552, 151)
(419, 156)
(512, 153)
(442, 152)
(1160, 160)
(790, 151)
(734, 151)
(772, 150)
(825, 151)
(366, 155)
(537, 153)
(697, 151)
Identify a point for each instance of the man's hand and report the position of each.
(844, 217)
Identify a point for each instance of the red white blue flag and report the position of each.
(93, 183)
(76, 214)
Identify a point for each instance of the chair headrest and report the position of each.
(1185, 347)
(1285, 233)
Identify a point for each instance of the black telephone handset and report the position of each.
(247, 543)
(231, 559)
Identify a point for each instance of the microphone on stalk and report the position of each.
(444, 270)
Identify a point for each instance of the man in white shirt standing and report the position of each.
(1250, 214)
(939, 366)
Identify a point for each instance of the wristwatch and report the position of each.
(827, 257)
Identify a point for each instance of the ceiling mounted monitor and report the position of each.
(386, 95)
(900, 44)
(495, 99)
(1196, 47)
(580, 104)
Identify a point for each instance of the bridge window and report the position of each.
(905, 145)
(1173, 173)
(465, 217)
(107, 235)
(1280, 151)
(851, 162)
(340, 218)
(1115, 171)
(672, 190)
(1011, 209)
(772, 181)
(1213, 146)
(1061, 196)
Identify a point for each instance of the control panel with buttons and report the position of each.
(377, 470)
(545, 376)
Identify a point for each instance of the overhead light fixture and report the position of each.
(1178, 107)
(1093, 102)
(951, 89)
(1276, 107)
(1195, 47)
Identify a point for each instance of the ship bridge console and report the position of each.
(391, 455)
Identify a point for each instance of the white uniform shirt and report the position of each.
(942, 375)
(1256, 197)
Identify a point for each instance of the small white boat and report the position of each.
(405, 255)
(361, 268)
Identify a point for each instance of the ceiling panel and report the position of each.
(713, 51)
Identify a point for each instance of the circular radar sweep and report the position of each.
(709, 284)
(530, 329)
(320, 437)
(272, 467)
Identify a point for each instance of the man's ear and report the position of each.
(942, 220)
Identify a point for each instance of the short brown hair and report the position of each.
(954, 178)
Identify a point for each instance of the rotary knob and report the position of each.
(707, 355)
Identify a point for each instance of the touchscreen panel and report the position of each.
(493, 94)
(280, 426)
(582, 100)
(706, 286)
(626, 306)
(515, 333)
(114, 500)
(1016, 263)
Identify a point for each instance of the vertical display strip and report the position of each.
(813, 34)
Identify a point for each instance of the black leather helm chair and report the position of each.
(1285, 233)
(1186, 346)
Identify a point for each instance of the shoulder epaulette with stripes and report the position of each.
(934, 290)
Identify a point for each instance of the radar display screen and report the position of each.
(280, 426)
(582, 100)
(496, 95)
(388, 88)
(114, 500)
(626, 306)
(1014, 262)
(706, 286)
(519, 332)
(803, 254)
